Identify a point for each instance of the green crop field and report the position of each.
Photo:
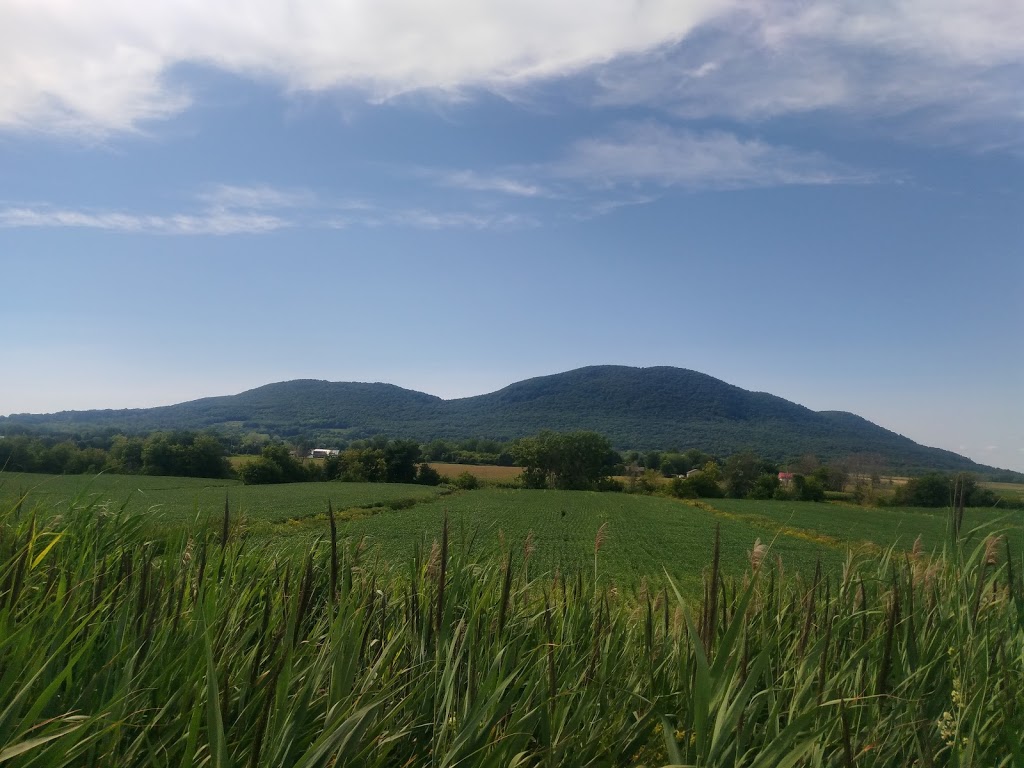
(1009, 492)
(497, 646)
(848, 525)
(645, 537)
(179, 501)
(121, 650)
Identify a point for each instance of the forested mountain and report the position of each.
(637, 408)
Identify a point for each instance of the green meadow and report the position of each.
(180, 501)
(644, 537)
(497, 628)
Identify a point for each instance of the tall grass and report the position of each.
(118, 648)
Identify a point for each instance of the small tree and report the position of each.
(703, 484)
(573, 461)
(466, 481)
(765, 486)
(427, 475)
(741, 472)
(400, 457)
(261, 471)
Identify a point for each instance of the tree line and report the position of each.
(181, 454)
(379, 460)
(579, 460)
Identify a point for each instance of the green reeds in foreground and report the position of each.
(121, 650)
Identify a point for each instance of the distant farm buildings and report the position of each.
(323, 453)
(786, 478)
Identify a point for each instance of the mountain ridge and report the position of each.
(658, 407)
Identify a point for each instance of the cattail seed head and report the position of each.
(756, 555)
(434, 561)
(528, 545)
(992, 549)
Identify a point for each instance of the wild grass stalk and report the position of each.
(119, 649)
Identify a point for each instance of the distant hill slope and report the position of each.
(637, 408)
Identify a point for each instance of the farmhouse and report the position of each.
(786, 478)
(323, 453)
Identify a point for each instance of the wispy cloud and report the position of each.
(655, 154)
(636, 162)
(433, 220)
(423, 219)
(603, 207)
(212, 223)
(255, 210)
(946, 70)
(260, 196)
(631, 165)
(477, 182)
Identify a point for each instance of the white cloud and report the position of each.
(653, 154)
(476, 182)
(102, 66)
(107, 65)
(210, 223)
(231, 210)
(639, 159)
(224, 210)
(948, 69)
(426, 219)
(259, 196)
(423, 219)
(604, 207)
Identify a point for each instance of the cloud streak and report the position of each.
(635, 162)
(477, 182)
(654, 154)
(260, 196)
(209, 223)
(259, 210)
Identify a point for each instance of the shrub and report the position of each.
(466, 481)
(261, 471)
(610, 484)
(647, 482)
(938, 490)
(765, 486)
(427, 475)
(695, 487)
(682, 488)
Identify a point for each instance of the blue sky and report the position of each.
(822, 201)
